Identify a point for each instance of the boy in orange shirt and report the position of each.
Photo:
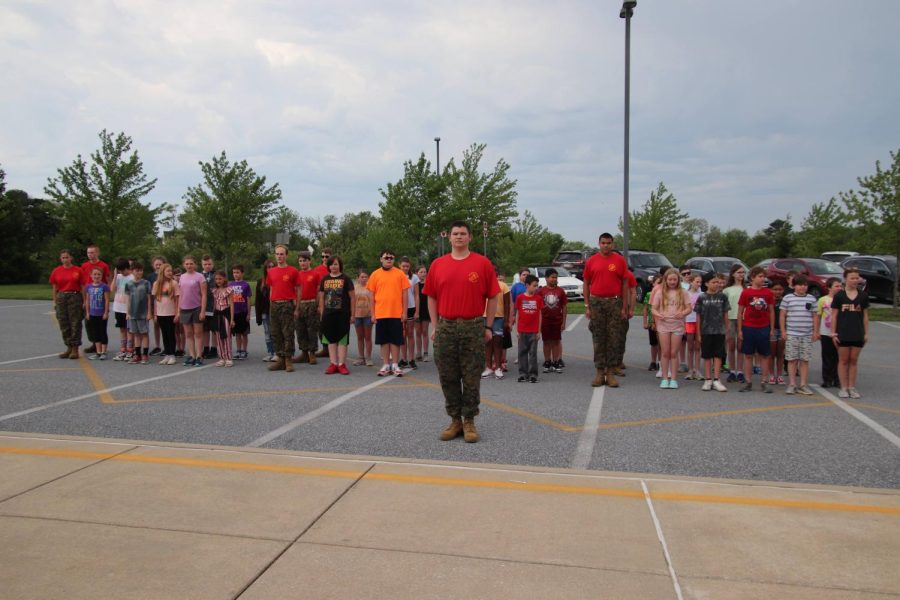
(389, 299)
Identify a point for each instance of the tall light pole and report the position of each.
(626, 13)
(437, 143)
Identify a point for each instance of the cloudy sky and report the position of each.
(748, 111)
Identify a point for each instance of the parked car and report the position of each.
(764, 263)
(643, 264)
(573, 287)
(838, 255)
(572, 260)
(878, 271)
(816, 269)
(707, 266)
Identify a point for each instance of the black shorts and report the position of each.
(209, 322)
(712, 345)
(852, 344)
(121, 321)
(96, 329)
(389, 331)
(410, 314)
(241, 324)
(654, 339)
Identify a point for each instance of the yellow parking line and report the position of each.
(456, 482)
(258, 393)
(530, 416)
(39, 370)
(96, 380)
(874, 407)
(708, 415)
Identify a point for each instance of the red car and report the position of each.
(817, 270)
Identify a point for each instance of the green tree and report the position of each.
(876, 207)
(692, 236)
(779, 235)
(230, 208)
(734, 242)
(655, 227)
(824, 228)
(526, 243)
(414, 207)
(100, 200)
(26, 226)
(479, 198)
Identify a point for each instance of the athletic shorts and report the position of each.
(190, 315)
(551, 331)
(241, 324)
(798, 347)
(138, 326)
(344, 341)
(712, 345)
(121, 321)
(690, 328)
(410, 314)
(389, 331)
(362, 321)
(756, 341)
(496, 326)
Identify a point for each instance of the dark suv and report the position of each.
(644, 264)
(879, 273)
(572, 260)
(707, 266)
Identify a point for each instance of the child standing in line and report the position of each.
(336, 300)
(670, 307)
(166, 294)
(756, 319)
(776, 356)
(493, 349)
(800, 324)
(96, 307)
(829, 349)
(362, 320)
(733, 288)
(552, 319)
(121, 276)
(712, 322)
(139, 314)
(408, 351)
(179, 330)
(223, 316)
(262, 311)
(424, 322)
(242, 294)
(690, 330)
(650, 326)
(67, 281)
(527, 318)
(850, 323)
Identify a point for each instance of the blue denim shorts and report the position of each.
(756, 340)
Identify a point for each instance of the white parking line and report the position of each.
(575, 323)
(662, 541)
(588, 436)
(18, 360)
(894, 325)
(315, 413)
(35, 409)
(21, 305)
(878, 428)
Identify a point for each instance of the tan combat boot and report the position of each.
(278, 363)
(66, 353)
(74, 352)
(599, 379)
(288, 365)
(611, 378)
(300, 358)
(312, 358)
(454, 430)
(470, 434)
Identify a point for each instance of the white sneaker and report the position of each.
(498, 373)
(707, 385)
(659, 374)
(487, 373)
(164, 361)
(843, 393)
(855, 395)
(718, 386)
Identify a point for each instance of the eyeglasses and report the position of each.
(326, 256)
(387, 258)
(685, 273)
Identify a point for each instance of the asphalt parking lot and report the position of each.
(559, 422)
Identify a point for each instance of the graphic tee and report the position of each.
(241, 295)
(757, 303)
(336, 294)
(712, 309)
(138, 293)
(528, 311)
(96, 298)
(555, 299)
(824, 308)
(120, 299)
(850, 322)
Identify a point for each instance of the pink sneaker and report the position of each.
(780, 380)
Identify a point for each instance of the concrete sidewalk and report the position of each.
(91, 518)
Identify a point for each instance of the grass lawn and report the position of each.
(26, 291)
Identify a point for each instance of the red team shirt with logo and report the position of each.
(604, 275)
(309, 280)
(528, 311)
(555, 300)
(88, 266)
(461, 286)
(282, 281)
(68, 279)
(757, 302)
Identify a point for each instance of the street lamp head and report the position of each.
(627, 9)
(437, 139)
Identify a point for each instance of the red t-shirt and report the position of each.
(282, 281)
(757, 303)
(632, 282)
(322, 270)
(528, 311)
(555, 300)
(88, 266)
(309, 280)
(604, 274)
(461, 286)
(68, 279)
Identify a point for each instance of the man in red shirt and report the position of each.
(606, 306)
(307, 324)
(457, 286)
(67, 281)
(322, 270)
(284, 306)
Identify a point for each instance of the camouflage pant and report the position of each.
(607, 330)
(620, 351)
(281, 326)
(459, 357)
(69, 314)
(308, 326)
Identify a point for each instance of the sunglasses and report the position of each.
(326, 256)
(387, 258)
(684, 273)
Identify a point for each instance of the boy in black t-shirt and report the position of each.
(712, 320)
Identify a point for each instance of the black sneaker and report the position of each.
(156, 352)
(413, 365)
(747, 387)
(561, 364)
(532, 379)
(92, 349)
(558, 366)
(179, 353)
(548, 366)
(522, 379)
(402, 364)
